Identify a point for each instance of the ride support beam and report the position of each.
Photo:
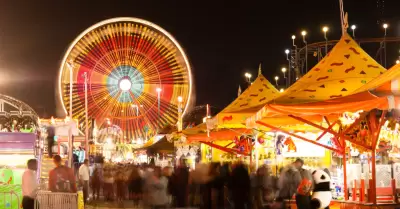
(330, 131)
(299, 137)
(377, 126)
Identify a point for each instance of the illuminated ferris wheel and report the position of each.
(137, 77)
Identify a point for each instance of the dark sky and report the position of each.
(223, 39)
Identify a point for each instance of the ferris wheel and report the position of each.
(137, 77)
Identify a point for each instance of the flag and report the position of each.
(259, 69)
(239, 91)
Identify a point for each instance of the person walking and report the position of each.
(240, 187)
(181, 184)
(158, 186)
(96, 182)
(84, 176)
(61, 178)
(29, 185)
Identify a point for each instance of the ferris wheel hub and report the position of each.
(125, 84)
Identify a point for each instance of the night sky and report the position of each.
(223, 39)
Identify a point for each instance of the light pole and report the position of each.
(86, 118)
(284, 75)
(180, 125)
(304, 33)
(159, 102)
(289, 69)
(325, 29)
(353, 28)
(385, 26)
(276, 81)
(71, 66)
(248, 77)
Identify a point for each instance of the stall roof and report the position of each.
(277, 113)
(386, 84)
(345, 69)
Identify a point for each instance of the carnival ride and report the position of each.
(138, 77)
(18, 142)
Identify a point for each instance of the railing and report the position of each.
(52, 200)
(9, 200)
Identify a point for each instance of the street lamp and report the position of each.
(180, 125)
(385, 26)
(304, 33)
(293, 38)
(71, 66)
(353, 27)
(158, 97)
(281, 90)
(86, 118)
(397, 61)
(248, 76)
(284, 72)
(276, 80)
(325, 29)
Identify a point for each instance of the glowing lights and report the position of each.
(136, 85)
(180, 99)
(276, 78)
(303, 33)
(397, 61)
(293, 37)
(287, 51)
(281, 90)
(353, 27)
(125, 84)
(325, 29)
(385, 26)
(283, 70)
(158, 90)
(247, 75)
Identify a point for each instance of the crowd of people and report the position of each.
(211, 186)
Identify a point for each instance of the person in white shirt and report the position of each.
(84, 175)
(29, 185)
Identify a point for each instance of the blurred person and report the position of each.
(240, 186)
(215, 187)
(121, 184)
(50, 140)
(61, 178)
(108, 182)
(289, 181)
(135, 186)
(157, 196)
(303, 195)
(29, 185)
(96, 182)
(181, 184)
(84, 176)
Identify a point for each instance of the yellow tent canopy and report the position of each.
(235, 114)
(345, 69)
(250, 101)
(386, 84)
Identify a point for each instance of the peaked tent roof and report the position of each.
(245, 105)
(346, 68)
(386, 84)
(250, 101)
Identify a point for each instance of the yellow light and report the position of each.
(397, 61)
(282, 90)
(276, 78)
(325, 29)
(303, 33)
(247, 75)
(180, 99)
(283, 70)
(293, 37)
